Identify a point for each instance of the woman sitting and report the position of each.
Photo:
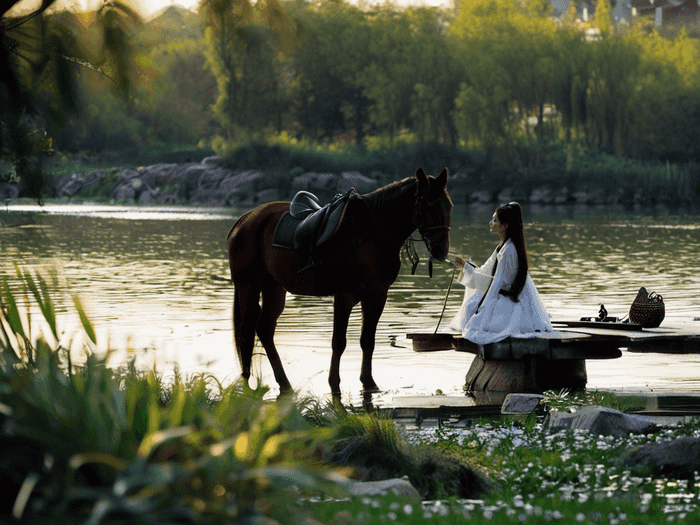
(501, 300)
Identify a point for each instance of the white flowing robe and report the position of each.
(499, 317)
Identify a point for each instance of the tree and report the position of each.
(603, 20)
(179, 100)
(39, 56)
(507, 53)
(332, 54)
(244, 40)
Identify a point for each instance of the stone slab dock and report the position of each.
(557, 360)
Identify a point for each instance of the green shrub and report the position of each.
(376, 449)
(88, 444)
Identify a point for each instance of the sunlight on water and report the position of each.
(99, 211)
(155, 283)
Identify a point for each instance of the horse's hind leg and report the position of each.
(342, 308)
(372, 309)
(246, 312)
(273, 298)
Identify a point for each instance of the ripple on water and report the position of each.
(158, 279)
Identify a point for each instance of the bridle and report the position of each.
(419, 220)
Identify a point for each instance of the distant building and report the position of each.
(671, 11)
(662, 11)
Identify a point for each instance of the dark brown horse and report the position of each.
(357, 265)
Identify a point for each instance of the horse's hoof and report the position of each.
(373, 389)
(284, 394)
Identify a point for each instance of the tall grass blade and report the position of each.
(44, 301)
(87, 325)
(24, 493)
(12, 311)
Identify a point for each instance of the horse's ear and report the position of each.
(423, 183)
(442, 178)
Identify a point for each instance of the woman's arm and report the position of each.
(459, 262)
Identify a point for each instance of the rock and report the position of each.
(129, 173)
(315, 181)
(400, 487)
(353, 179)
(212, 177)
(483, 197)
(599, 420)
(214, 159)
(520, 403)
(124, 192)
(180, 170)
(542, 196)
(269, 195)
(207, 197)
(595, 196)
(235, 181)
(562, 196)
(678, 458)
(8, 191)
(197, 169)
(149, 196)
(157, 174)
(505, 195)
(69, 186)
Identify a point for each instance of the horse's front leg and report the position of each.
(342, 308)
(372, 308)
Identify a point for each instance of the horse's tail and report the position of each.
(237, 319)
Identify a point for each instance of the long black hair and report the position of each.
(512, 215)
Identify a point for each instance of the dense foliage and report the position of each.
(83, 442)
(512, 80)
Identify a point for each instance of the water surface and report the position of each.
(155, 284)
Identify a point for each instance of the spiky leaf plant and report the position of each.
(92, 444)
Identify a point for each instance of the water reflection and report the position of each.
(155, 284)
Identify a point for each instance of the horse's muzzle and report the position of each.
(438, 252)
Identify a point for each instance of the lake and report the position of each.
(155, 284)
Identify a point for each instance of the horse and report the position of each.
(357, 265)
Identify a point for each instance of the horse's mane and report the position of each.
(389, 193)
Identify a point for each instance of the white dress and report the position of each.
(499, 317)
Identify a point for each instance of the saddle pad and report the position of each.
(284, 231)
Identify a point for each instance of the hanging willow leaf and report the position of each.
(87, 325)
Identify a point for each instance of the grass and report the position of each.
(101, 445)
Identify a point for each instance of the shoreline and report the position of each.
(213, 183)
(476, 210)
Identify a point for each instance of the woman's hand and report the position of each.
(459, 262)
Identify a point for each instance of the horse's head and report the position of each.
(431, 214)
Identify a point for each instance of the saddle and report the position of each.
(308, 224)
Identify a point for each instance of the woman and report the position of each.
(501, 300)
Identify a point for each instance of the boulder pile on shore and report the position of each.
(210, 183)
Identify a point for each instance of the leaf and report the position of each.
(154, 439)
(87, 325)
(44, 301)
(93, 458)
(12, 311)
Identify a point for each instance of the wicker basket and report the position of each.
(647, 309)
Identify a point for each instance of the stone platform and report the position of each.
(557, 360)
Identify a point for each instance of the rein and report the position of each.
(419, 222)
